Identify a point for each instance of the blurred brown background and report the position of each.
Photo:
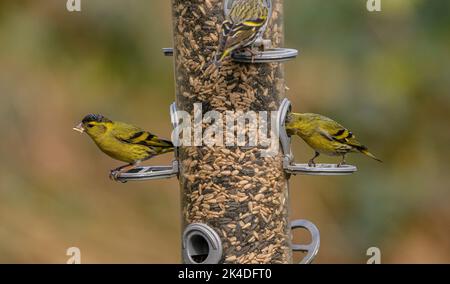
(384, 75)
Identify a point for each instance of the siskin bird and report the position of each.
(325, 136)
(123, 142)
(244, 25)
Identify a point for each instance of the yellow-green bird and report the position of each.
(245, 24)
(325, 136)
(122, 141)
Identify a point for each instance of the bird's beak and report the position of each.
(79, 128)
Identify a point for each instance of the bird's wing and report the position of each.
(333, 131)
(134, 135)
(240, 35)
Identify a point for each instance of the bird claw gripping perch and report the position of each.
(154, 172)
(304, 169)
(114, 176)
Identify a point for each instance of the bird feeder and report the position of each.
(234, 200)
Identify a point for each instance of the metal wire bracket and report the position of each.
(168, 51)
(156, 172)
(304, 169)
(311, 249)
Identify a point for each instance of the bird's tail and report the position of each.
(366, 152)
(222, 50)
(168, 145)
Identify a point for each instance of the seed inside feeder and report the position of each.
(242, 195)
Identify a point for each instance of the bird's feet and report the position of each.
(312, 164)
(114, 175)
(341, 164)
(252, 52)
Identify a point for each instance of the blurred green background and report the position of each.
(384, 75)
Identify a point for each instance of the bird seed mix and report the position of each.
(234, 190)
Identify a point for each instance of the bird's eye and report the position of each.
(90, 125)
